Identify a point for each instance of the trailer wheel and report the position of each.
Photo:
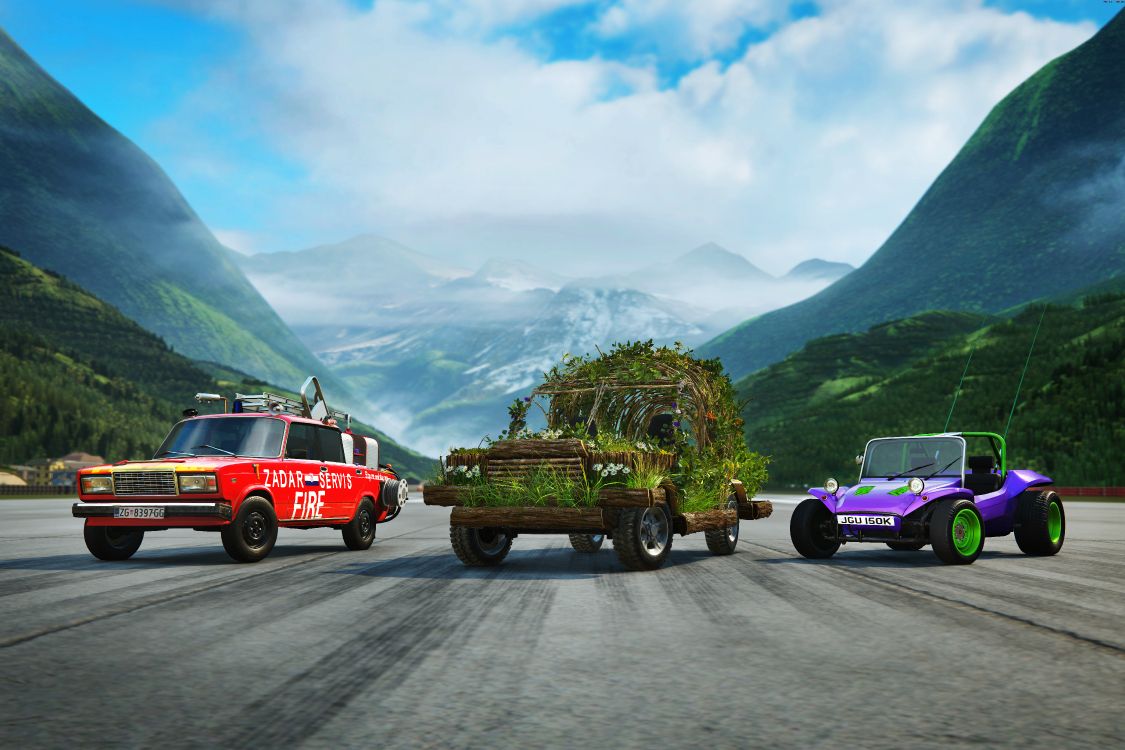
(1040, 522)
(643, 536)
(587, 542)
(957, 531)
(252, 533)
(906, 546)
(112, 542)
(809, 528)
(479, 547)
(723, 541)
(359, 533)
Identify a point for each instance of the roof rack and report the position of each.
(310, 406)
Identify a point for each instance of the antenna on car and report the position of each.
(1022, 374)
(957, 392)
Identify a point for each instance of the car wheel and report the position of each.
(1040, 522)
(359, 533)
(812, 528)
(906, 546)
(112, 542)
(587, 542)
(957, 531)
(253, 532)
(723, 541)
(479, 547)
(643, 537)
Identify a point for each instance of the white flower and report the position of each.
(625, 470)
(604, 472)
(597, 467)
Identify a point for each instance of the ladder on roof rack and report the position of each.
(310, 408)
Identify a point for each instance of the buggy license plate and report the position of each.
(851, 520)
(136, 512)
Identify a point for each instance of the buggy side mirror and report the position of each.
(859, 460)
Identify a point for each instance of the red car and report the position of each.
(272, 462)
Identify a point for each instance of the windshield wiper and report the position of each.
(181, 453)
(911, 471)
(213, 448)
(943, 468)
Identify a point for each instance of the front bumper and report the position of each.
(221, 511)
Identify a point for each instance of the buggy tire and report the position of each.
(956, 531)
(906, 546)
(642, 537)
(587, 542)
(480, 547)
(1040, 522)
(359, 532)
(112, 543)
(253, 532)
(723, 541)
(807, 530)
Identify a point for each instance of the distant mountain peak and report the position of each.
(714, 258)
(819, 270)
(518, 275)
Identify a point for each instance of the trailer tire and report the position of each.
(112, 543)
(957, 531)
(587, 542)
(642, 538)
(806, 530)
(480, 547)
(253, 532)
(723, 541)
(359, 532)
(1040, 522)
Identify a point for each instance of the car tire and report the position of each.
(723, 541)
(906, 546)
(359, 533)
(112, 543)
(956, 531)
(480, 547)
(253, 532)
(587, 542)
(807, 530)
(1040, 522)
(642, 537)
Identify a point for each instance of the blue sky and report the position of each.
(499, 128)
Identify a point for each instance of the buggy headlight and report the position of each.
(97, 485)
(916, 485)
(198, 483)
(831, 485)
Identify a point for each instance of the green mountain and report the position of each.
(1032, 205)
(79, 375)
(816, 409)
(79, 198)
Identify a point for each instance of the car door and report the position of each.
(336, 478)
(303, 456)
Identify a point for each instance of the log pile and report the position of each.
(578, 519)
(709, 520)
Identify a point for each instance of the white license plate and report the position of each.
(850, 520)
(135, 512)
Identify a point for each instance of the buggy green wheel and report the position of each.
(957, 531)
(1040, 522)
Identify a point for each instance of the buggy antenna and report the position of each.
(1022, 374)
(957, 392)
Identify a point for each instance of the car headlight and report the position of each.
(832, 485)
(97, 485)
(916, 485)
(198, 483)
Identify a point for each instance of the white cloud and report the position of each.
(816, 143)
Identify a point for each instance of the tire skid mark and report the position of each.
(1112, 647)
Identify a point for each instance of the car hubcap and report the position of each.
(654, 531)
(1054, 522)
(254, 530)
(491, 541)
(364, 523)
(966, 532)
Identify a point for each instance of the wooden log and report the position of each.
(709, 520)
(577, 519)
(755, 509)
(621, 497)
(443, 494)
(507, 449)
(466, 458)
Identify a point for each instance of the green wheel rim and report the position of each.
(966, 532)
(1054, 522)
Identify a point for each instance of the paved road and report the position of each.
(400, 646)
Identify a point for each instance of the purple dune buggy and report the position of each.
(926, 489)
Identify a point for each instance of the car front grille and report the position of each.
(144, 483)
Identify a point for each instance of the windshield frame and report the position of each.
(173, 453)
(921, 472)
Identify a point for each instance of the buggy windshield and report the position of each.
(924, 457)
(254, 437)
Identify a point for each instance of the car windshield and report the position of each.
(915, 456)
(255, 437)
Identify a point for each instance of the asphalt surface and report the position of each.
(402, 646)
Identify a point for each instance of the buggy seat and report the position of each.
(980, 479)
